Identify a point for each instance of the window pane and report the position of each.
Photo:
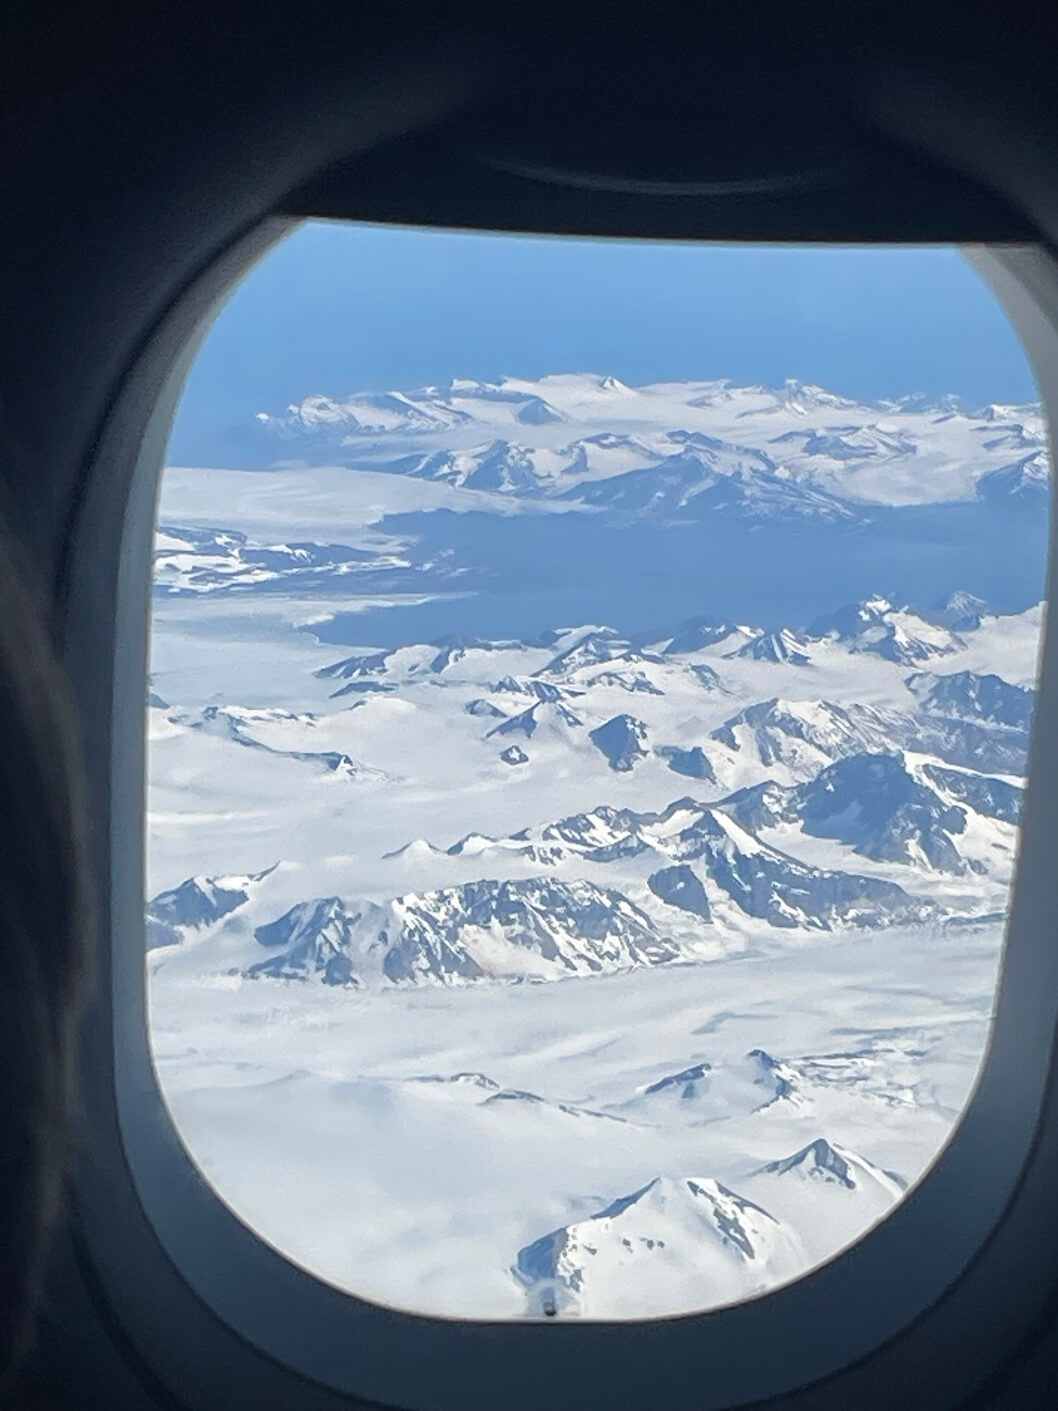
(583, 805)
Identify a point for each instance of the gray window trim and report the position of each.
(915, 1313)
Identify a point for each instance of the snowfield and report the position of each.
(632, 951)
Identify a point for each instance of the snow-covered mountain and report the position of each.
(531, 929)
(781, 646)
(884, 628)
(960, 611)
(696, 633)
(774, 887)
(316, 938)
(806, 735)
(693, 762)
(793, 449)
(876, 625)
(365, 414)
(622, 741)
(1026, 480)
(658, 1245)
(875, 804)
(528, 721)
(709, 478)
(592, 648)
(713, 1092)
(717, 860)
(694, 859)
(518, 469)
(829, 1163)
(992, 798)
(968, 695)
(680, 886)
(534, 927)
(197, 903)
(420, 659)
(616, 886)
(977, 721)
(826, 1191)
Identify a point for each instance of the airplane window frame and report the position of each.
(221, 1298)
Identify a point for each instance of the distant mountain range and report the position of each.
(459, 491)
(672, 446)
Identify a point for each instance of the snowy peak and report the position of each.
(697, 633)
(622, 741)
(783, 647)
(707, 477)
(190, 561)
(881, 627)
(967, 695)
(875, 804)
(830, 1164)
(959, 612)
(992, 798)
(365, 665)
(750, 1084)
(693, 762)
(847, 443)
(532, 687)
(688, 1083)
(403, 664)
(973, 721)
(1026, 481)
(591, 649)
(660, 1249)
(774, 887)
(546, 928)
(197, 903)
(253, 729)
(758, 806)
(498, 466)
(680, 887)
(806, 396)
(317, 940)
(526, 723)
(803, 736)
(513, 1098)
(777, 1080)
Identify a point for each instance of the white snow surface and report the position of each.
(540, 1044)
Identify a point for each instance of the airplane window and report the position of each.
(589, 701)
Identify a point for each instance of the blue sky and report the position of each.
(340, 308)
